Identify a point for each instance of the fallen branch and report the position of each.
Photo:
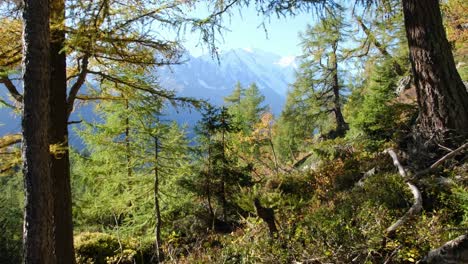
(454, 251)
(417, 204)
(450, 155)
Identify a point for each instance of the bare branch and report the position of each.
(454, 251)
(417, 204)
(74, 122)
(77, 85)
(11, 88)
(440, 161)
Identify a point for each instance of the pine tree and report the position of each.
(247, 111)
(252, 106)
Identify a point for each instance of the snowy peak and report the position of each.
(206, 77)
(287, 61)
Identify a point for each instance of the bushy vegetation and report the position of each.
(312, 185)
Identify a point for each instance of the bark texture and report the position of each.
(441, 94)
(38, 220)
(58, 137)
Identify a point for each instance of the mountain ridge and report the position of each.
(204, 77)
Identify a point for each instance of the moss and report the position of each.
(102, 248)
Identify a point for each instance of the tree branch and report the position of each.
(9, 140)
(77, 85)
(417, 204)
(454, 251)
(97, 98)
(440, 161)
(133, 85)
(74, 122)
(5, 103)
(11, 88)
(396, 66)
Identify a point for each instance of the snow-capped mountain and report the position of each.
(206, 78)
(211, 78)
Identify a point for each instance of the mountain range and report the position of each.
(212, 78)
(209, 78)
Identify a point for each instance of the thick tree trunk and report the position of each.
(38, 220)
(441, 94)
(58, 136)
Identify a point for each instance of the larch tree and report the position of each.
(322, 47)
(442, 96)
(90, 40)
(298, 119)
(132, 126)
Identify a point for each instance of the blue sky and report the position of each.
(245, 31)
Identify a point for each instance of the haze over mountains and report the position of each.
(207, 78)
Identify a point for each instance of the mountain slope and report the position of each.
(205, 78)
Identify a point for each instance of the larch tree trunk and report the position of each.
(208, 187)
(127, 139)
(223, 176)
(341, 125)
(58, 136)
(158, 242)
(441, 94)
(38, 219)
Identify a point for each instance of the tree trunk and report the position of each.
(157, 209)
(267, 215)
(127, 139)
(441, 94)
(341, 125)
(58, 136)
(223, 176)
(208, 187)
(38, 219)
